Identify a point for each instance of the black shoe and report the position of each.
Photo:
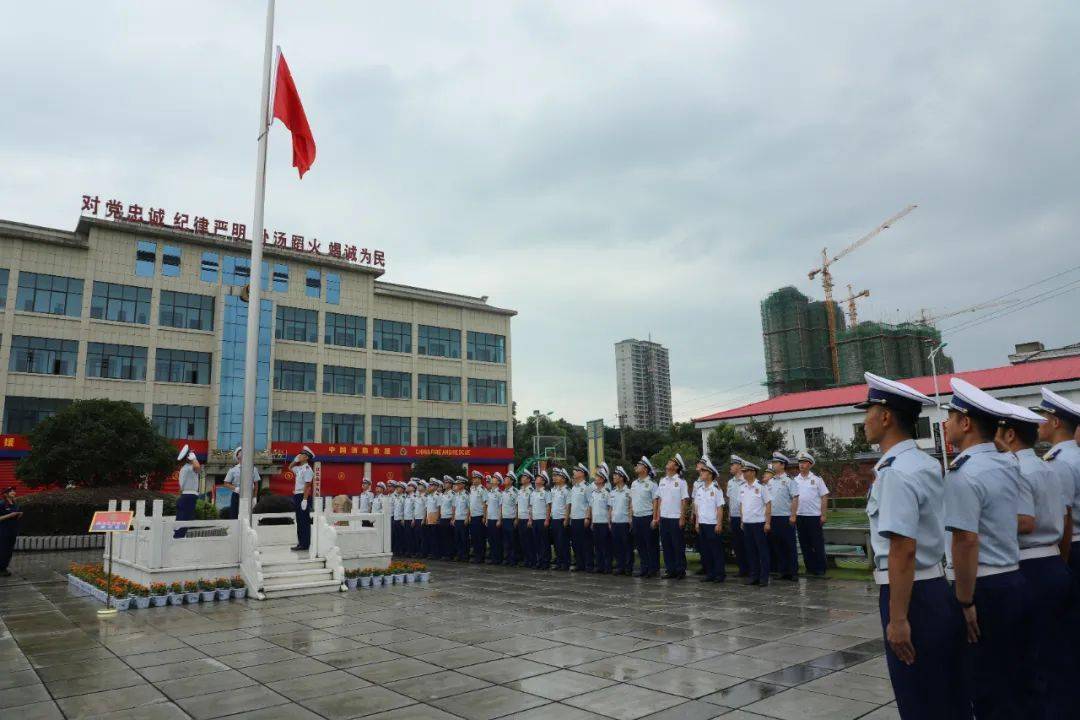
(749, 581)
(706, 579)
(700, 572)
(670, 575)
(682, 575)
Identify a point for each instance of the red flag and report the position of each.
(289, 109)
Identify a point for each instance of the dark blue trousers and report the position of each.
(234, 506)
(757, 551)
(711, 549)
(674, 544)
(622, 549)
(541, 545)
(1050, 663)
(446, 538)
(185, 510)
(738, 544)
(476, 537)
(933, 688)
(508, 542)
(997, 660)
(812, 540)
(7, 547)
(461, 539)
(303, 521)
(528, 546)
(395, 537)
(783, 541)
(495, 544)
(601, 537)
(560, 535)
(583, 550)
(645, 539)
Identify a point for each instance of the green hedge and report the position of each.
(847, 502)
(68, 512)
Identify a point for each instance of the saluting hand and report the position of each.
(972, 620)
(898, 635)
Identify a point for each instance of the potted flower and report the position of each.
(191, 592)
(397, 572)
(159, 594)
(239, 587)
(223, 588)
(141, 595)
(365, 577)
(422, 574)
(176, 593)
(378, 577)
(352, 577)
(120, 595)
(206, 590)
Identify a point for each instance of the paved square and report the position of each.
(477, 643)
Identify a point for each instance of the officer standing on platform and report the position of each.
(734, 492)
(981, 502)
(919, 616)
(508, 518)
(477, 508)
(560, 519)
(461, 517)
(524, 532)
(598, 518)
(785, 504)
(446, 519)
(813, 510)
(540, 521)
(232, 481)
(1059, 430)
(10, 514)
(671, 516)
(643, 504)
(756, 522)
(493, 515)
(622, 549)
(708, 518)
(304, 475)
(580, 535)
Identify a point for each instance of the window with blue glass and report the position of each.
(120, 303)
(294, 426)
(292, 375)
(333, 288)
(297, 324)
(443, 388)
(438, 431)
(487, 392)
(117, 362)
(342, 428)
(391, 430)
(182, 366)
(391, 384)
(345, 330)
(281, 278)
(52, 294)
(340, 380)
(313, 284)
(170, 261)
(186, 310)
(44, 356)
(22, 414)
(181, 422)
(237, 270)
(392, 336)
(3, 287)
(487, 433)
(208, 267)
(145, 258)
(232, 376)
(438, 341)
(487, 347)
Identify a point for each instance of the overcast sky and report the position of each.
(609, 170)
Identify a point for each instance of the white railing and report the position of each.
(358, 536)
(153, 543)
(251, 560)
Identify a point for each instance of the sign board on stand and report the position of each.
(110, 522)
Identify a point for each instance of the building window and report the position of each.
(290, 375)
(858, 431)
(297, 324)
(338, 380)
(487, 347)
(145, 257)
(392, 336)
(345, 330)
(342, 428)
(438, 431)
(487, 433)
(281, 278)
(3, 287)
(186, 310)
(294, 426)
(208, 268)
(444, 388)
(181, 422)
(438, 341)
(118, 362)
(120, 303)
(22, 414)
(237, 270)
(922, 428)
(390, 430)
(182, 366)
(333, 288)
(487, 392)
(52, 294)
(170, 261)
(391, 384)
(45, 356)
(313, 284)
(814, 437)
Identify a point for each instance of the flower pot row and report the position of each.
(396, 574)
(124, 594)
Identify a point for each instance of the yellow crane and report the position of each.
(853, 312)
(827, 282)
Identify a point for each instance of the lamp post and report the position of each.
(937, 399)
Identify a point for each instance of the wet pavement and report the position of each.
(478, 643)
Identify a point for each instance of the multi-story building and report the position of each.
(643, 384)
(372, 374)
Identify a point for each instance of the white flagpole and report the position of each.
(251, 350)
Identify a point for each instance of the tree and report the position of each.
(754, 441)
(836, 463)
(93, 443)
(434, 466)
(690, 453)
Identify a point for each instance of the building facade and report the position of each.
(643, 384)
(372, 374)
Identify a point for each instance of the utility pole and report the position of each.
(622, 437)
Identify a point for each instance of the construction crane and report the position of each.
(925, 318)
(827, 282)
(853, 312)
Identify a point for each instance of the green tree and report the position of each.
(754, 441)
(93, 443)
(690, 453)
(834, 455)
(435, 466)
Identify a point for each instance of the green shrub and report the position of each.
(274, 504)
(848, 502)
(205, 510)
(68, 512)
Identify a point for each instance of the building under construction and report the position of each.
(892, 351)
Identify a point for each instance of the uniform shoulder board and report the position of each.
(889, 461)
(1052, 454)
(959, 462)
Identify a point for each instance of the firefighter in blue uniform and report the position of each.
(785, 505)
(735, 485)
(708, 514)
(622, 548)
(507, 518)
(540, 521)
(673, 496)
(446, 519)
(493, 519)
(461, 518)
(10, 514)
(580, 536)
(477, 508)
(756, 506)
(643, 500)
(1060, 431)
(560, 518)
(598, 519)
(524, 531)
(302, 493)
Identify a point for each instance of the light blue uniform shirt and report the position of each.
(378, 503)
(494, 504)
(734, 487)
(397, 506)
(509, 503)
(1064, 458)
(981, 497)
(523, 496)
(560, 502)
(642, 495)
(907, 499)
(538, 504)
(579, 501)
(1040, 495)
(419, 505)
(189, 480)
(477, 500)
(431, 503)
(461, 505)
(601, 505)
(407, 507)
(619, 499)
(446, 505)
(784, 489)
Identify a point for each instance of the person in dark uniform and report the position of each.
(188, 478)
(303, 476)
(10, 514)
